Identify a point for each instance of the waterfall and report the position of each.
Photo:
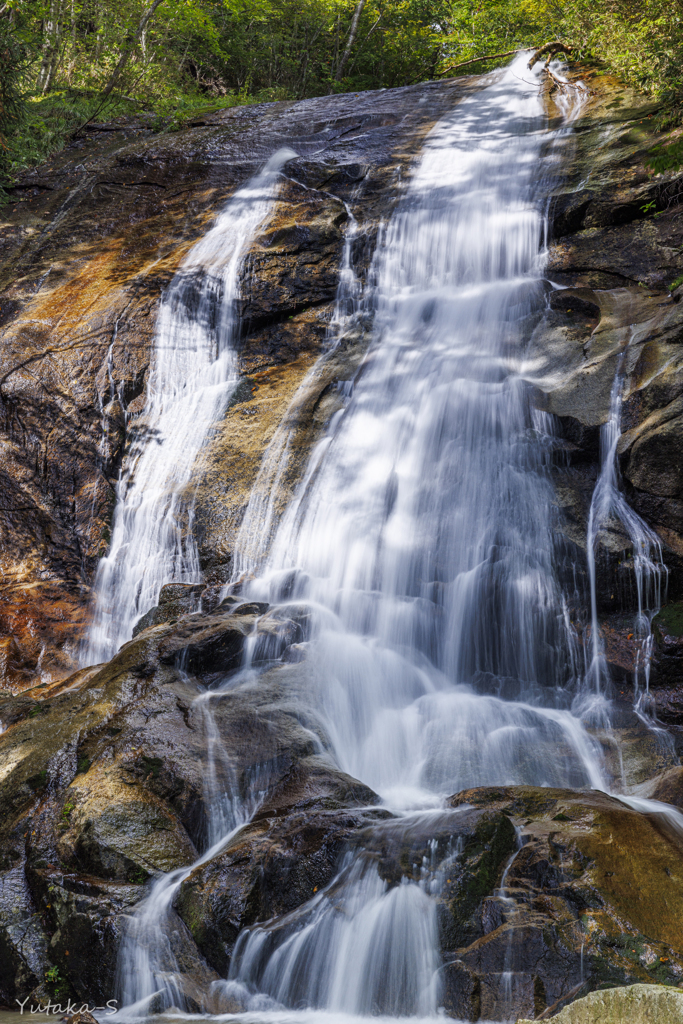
(608, 503)
(423, 542)
(155, 941)
(419, 552)
(360, 947)
(418, 558)
(193, 375)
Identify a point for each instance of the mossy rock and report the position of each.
(670, 619)
(635, 1004)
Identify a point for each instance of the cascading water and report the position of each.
(193, 375)
(420, 550)
(425, 531)
(608, 503)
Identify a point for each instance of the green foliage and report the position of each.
(65, 819)
(38, 782)
(194, 56)
(52, 975)
(15, 62)
(666, 158)
(152, 767)
(38, 709)
(48, 123)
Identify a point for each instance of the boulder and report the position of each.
(667, 787)
(637, 1004)
(116, 776)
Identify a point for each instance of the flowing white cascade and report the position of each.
(150, 963)
(419, 553)
(423, 543)
(260, 519)
(360, 947)
(193, 375)
(609, 504)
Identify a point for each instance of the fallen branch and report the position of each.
(569, 995)
(548, 50)
(558, 81)
(477, 60)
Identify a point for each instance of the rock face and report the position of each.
(104, 788)
(587, 900)
(111, 779)
(615, 253)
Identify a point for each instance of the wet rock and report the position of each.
(104, 779)
(667, 787)
(82, 1017)
(460, 991)
(638, 1004)
(294, 265)
(86, 919)
(589, 897)
(469, 848)
(667, 627)
(271, 867)
(105, 786)
(23, 937)
(175, 599)
(207, 643)
(315, 782)
(635, 748)
(115, 834)
(611, 261)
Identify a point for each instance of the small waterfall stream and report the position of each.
(193, 375)
(419, 551)
(608, 503)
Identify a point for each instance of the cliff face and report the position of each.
(616, 252)
(103, 771)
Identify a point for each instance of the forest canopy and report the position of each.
(62, 61)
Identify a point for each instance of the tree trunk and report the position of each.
(130, 45)
(353, 32)
(51, 48)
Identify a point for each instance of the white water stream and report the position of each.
(610, 505)
(193, 375)
(419, 551)
(423, 544)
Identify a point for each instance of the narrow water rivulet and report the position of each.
(193, 375)
(418, 560)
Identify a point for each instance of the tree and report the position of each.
(130, 44)
(353, 31)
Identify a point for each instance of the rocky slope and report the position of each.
(102, 771)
